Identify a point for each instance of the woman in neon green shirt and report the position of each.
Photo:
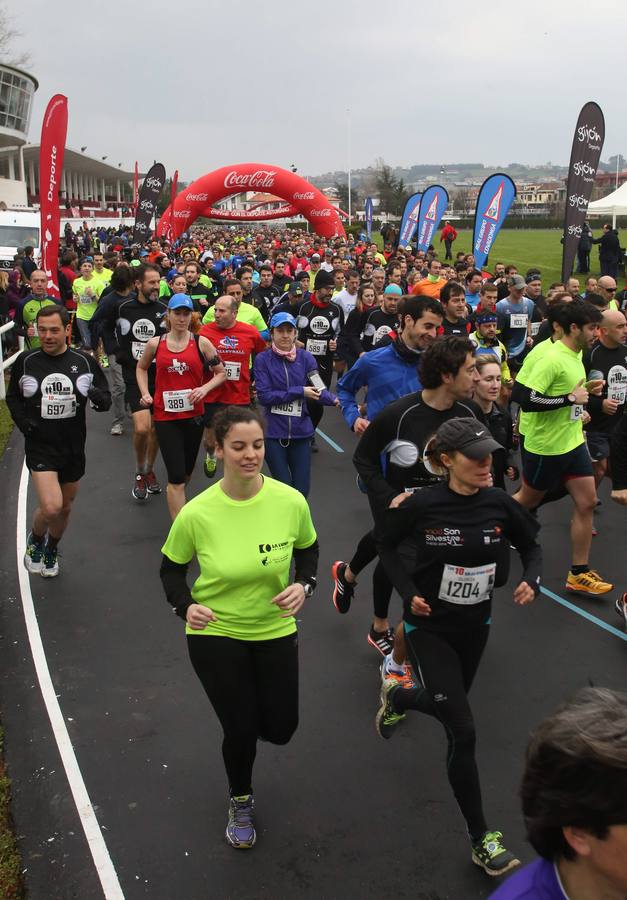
(241, 632)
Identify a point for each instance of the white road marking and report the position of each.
(98, 848)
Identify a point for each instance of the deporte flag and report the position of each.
(409, 221)
(147, 203)
(493, 203)
(51, 152)
(584, 161)
(432, 207)
(368, 213)
(136, 187)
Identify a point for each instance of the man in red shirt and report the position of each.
(448, 235)
(235, 342)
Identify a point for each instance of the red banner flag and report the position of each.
(51, 153)
(136, 189)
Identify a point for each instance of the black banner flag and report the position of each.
(584, 162)
(147, 202)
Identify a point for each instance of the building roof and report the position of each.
(79, 162)
(264, 198)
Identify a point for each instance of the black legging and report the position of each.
(314, 407)
(446, 663)
(179, 441)
(618, 455)
(381, 585)
(253, 687)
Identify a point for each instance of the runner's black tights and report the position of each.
(253, 687)
(446, 663)
(381, 585)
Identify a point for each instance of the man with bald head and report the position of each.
(606, 286)
(607, 359)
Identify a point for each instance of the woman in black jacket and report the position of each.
(498, 418)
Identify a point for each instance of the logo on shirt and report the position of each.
(73, 368)
(438, 537)
(143, 329)
(319, 324)
(492, 535)
(272, 554)
(178, 366)
(229, 343)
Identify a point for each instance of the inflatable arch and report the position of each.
(301, 198)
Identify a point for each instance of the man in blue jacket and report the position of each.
(389, 373)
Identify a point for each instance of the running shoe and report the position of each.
(140, 488)
(116, 429)
(405, 678)
(387, 718)
(589, 582)
(343, 590)
(210, 465)
(50, 563)
(240, 829)
(383, 641)
(152, 485)
(491, 855)
(34, 555)
(621, 608)
(104, 362)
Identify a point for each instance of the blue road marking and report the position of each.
(329, 440)
(586, 615)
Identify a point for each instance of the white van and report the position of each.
(18, 230)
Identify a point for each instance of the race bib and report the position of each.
(317, 348)
(293, 408)
(468, 585)
(617, 393)
(137, 349)
(576, 412)
(232, 370)
(518, 320)
(535, 328)
(616, 384)
(177, 401)
(58, 406)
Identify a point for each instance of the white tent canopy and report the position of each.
(615, 204)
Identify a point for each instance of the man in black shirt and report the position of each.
(607, 360)
(265, 294)
(47, 396)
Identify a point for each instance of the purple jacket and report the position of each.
(537, 881)
(279, 385)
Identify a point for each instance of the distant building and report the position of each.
(88, 186)
(540, 198)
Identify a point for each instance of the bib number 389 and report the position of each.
(467, 585)
(177, 401)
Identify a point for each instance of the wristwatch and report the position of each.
(308, 588)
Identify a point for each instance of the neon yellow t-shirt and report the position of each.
(244, 551)
(246, 313)
(104, 276)
(556, 373)
(86, 294)
(524, 375)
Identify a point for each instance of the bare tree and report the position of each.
(9, 36)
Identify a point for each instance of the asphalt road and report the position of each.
(341, 813)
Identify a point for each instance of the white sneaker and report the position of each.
(116, 429)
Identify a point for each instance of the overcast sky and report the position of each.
(198, 85)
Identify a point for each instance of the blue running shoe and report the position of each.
(240, 829)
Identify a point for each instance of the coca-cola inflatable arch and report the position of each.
(299, 195)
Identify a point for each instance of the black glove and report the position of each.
(100, 399)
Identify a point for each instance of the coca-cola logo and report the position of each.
(575, 229)
(262, 178)
(182, 213)
(306, 195)
(155, 183)
(578, 200)
(196, 198)
(147, 205)
(320, 212)
(589, 133)
(582, 168)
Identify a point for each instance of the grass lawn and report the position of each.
(525, 249)
(10, 865)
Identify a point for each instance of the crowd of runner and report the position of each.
(456, 380)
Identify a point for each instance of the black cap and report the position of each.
(468, 436)
(323, 279)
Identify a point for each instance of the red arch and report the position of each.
(306, 199)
